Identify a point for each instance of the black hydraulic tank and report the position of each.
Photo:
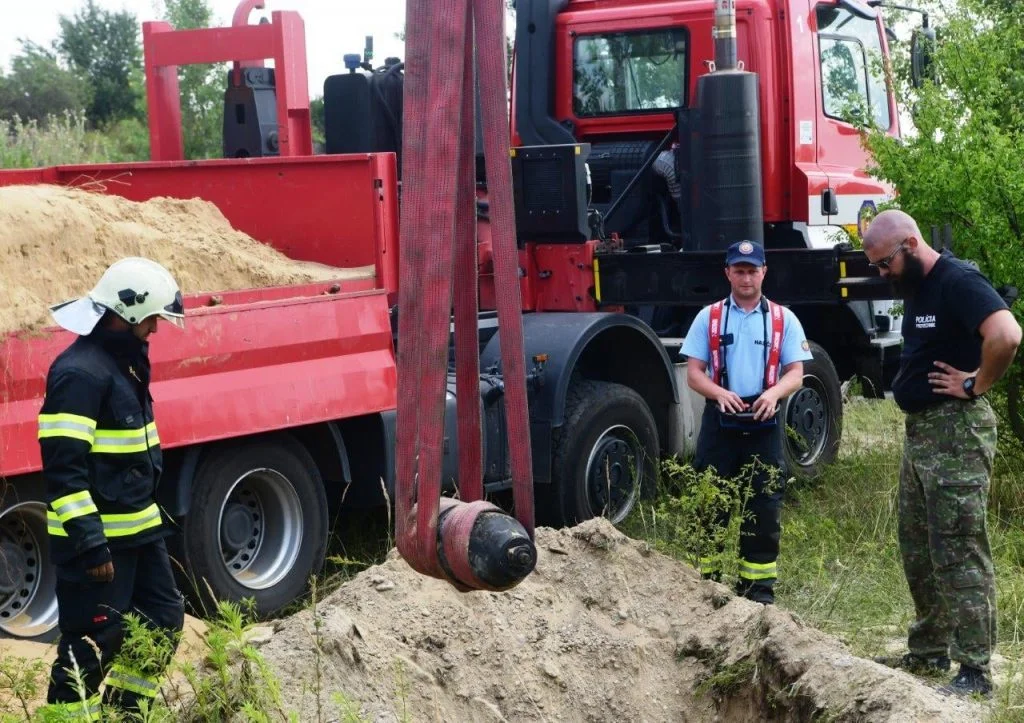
(726, 193)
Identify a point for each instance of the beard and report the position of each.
(909, 280)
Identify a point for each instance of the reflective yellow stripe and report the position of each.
(88, 710)
(130, 523)
(707, 564)
(121, 677)
(125, 441)
(597, 280)
(73, 505)
(758, 570)
(123, 524)
(104, 441)
(67, 425)
(53, 525)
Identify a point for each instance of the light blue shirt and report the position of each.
(745, 357)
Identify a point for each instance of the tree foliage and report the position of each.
(38, 87)
(962, 163)
(201, 86)
(104, 47)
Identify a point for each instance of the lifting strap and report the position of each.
(772, 344)
(438, 242)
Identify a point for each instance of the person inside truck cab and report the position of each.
(101, 463)
(745, 355)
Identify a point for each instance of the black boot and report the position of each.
(758, 591)
(913, 663)
(969, 681)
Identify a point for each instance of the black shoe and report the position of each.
(916, 663)
(968, 682)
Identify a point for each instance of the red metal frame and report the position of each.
(283, 39)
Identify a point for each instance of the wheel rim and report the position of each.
(807, 415)
(28, 603)
(260, 528)
(613, 473)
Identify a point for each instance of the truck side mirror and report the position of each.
(922, 62)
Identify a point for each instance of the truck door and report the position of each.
(850, 84)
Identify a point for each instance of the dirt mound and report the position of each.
(603, 630)
(55, 242)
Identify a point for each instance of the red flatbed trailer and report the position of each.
(251, 362)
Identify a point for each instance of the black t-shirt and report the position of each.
(940, 323)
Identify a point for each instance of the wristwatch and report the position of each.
(969, 388)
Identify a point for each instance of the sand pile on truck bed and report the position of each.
(55, 242)
(604, 630)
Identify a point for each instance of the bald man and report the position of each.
(959, 339)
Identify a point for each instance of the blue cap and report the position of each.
(745, 252)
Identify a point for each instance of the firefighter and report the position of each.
(746, 355)
(101, 463)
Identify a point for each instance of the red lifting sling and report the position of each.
(438, 240)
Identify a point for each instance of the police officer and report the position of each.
(746, 355)
(101, 462)
(959, 338)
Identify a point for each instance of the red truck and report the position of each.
(278, 404)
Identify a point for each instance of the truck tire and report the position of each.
(28, 603)
(256, 527)
(814, 418)
(608, 432)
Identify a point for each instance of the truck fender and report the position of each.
(601, 346)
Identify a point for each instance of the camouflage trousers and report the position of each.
(943, 496)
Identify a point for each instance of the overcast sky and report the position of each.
(333, 27)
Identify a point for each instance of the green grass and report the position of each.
(66, 139)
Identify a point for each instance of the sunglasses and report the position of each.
(884, 263)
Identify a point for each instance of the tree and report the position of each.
(104, 47)
(316, 120)
(962, 165)
(38, 87)
(201, 86)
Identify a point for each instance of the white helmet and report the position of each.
(134, 289)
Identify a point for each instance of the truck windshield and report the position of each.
(851, 66)
(629, 72)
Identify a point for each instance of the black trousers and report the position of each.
(728, 451)
(93, 611)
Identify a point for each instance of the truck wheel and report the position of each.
(604, 456)
(28, 603)
(257, 525)
(814, 418)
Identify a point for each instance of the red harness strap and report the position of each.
(771, 371)
(715, 340)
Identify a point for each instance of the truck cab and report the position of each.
(618, 70)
